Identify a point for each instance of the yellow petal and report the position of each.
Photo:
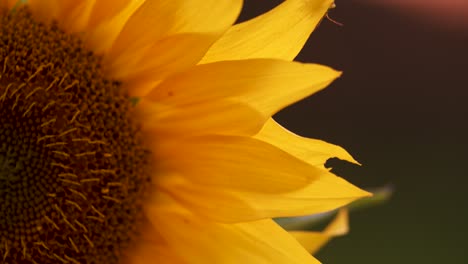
(259, 242)
(166, 56)
(74, 15)
(215, 204)
(326, 193)
(313, 241)
(280, 33)
(220, 204)
(105, 9)
(157, 19)
(235, 163)
(152, 248)
(101, 37)
(267, 85)
(313, 151)
(197, 119)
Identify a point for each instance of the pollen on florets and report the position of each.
(73, 168)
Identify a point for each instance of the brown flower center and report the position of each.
(73, 171)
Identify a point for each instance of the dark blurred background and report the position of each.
(401, 109)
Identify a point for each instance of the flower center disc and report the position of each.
(73, 169)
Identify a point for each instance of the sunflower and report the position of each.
(142, 132)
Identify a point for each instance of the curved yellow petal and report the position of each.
(280, 33)
(259, 242)
(101, 37)
(198, 119)
(215, 204)
(150, 246)
(267, 85)
(313, 241)
(105, 9)
(227, 205)
(235, 163)
(157, 19)
(86, 16)
(163, 58)
(312, 151)
(74, 15)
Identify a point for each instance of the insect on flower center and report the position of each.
(73, 169)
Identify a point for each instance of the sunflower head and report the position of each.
(88, 176)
